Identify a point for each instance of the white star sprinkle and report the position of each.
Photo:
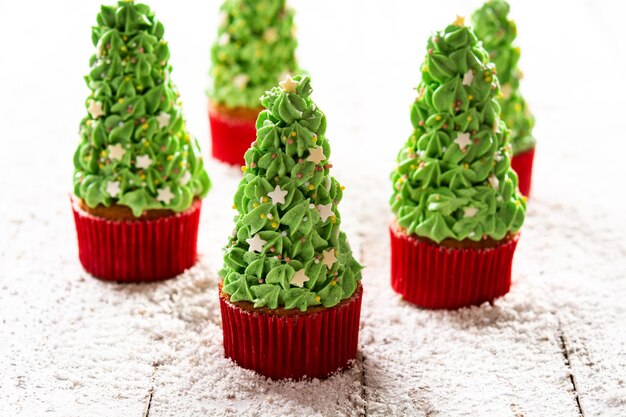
(185, 178)
(113, 188)
(240, 81)
(470, 211)
(95, 109)
(506, 90)
(288, 84)
(270, 35)
(256, 243)
(316, 155)
(278, 195)
(165, 195)
(143, 161)
(163, 119)
(493, 180)
(299, 278)
(463, 139)
(468, 77)
(116, 151)
(328, 258)
(325, 211)
(223, 40)
(223, 19)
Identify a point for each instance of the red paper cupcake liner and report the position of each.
(137, 251)
(523, 164)
(302, 345)
(432, 276)
(231, 137)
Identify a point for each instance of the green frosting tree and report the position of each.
(254, 50)
(287, 249)
(453, 177)
(498, 33)
(134, 147)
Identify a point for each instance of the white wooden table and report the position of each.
(71, 345)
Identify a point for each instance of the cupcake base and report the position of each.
(137, 250)
(289, 343)
(437, 277)
(523, 164)
(232, 132)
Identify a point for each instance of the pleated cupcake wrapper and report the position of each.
(523, 164)
(137, 251)
(231, 137)
(435, 277)
(300, 346)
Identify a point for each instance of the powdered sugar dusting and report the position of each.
(75, 346)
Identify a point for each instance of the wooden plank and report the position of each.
(589, 293)
(71, 342)
(565, 349)
(504, 359)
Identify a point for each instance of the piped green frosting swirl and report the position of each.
(254, 49)
(134, 148)
(287, 249)
(453, 177)
(498, 33)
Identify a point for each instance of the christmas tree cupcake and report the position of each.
(498, 33)
(291, 293)
(455, 199)
(138, 174)
(254, 50)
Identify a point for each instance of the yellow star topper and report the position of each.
(460, 21)
(288, 84)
